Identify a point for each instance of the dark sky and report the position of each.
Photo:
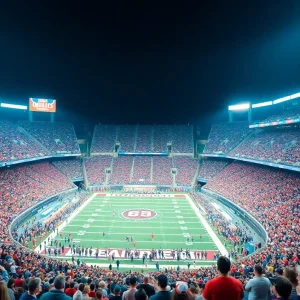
(148, 61)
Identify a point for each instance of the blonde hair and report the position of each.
(4, 292)
(86, 289)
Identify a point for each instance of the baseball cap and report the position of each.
(46, 285)
(181, 287)
(279, 271)
(117, 288)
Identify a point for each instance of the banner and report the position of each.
(42, 105)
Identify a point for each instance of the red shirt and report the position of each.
(225, 288)
(92, 294)
(70, 291)
(19, 282)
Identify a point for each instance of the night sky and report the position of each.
(148, 61)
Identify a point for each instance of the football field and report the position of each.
(149, 221)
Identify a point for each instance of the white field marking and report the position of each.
(130, 221)
(142, 227)
(63, 224)
(136, 233)
(214, 237)
(148, 241)
(152, 218)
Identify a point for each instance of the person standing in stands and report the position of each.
(129, 294)
(259, 286)
(223, 287)
(163, 294)
(282, 288)
(149, 289)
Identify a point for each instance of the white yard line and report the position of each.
(140, 227)
(214, 237)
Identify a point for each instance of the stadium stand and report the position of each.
(162, 166)
(95, 168)
(72, 168)
(182, 139)
(280, 145)
(142, 170)
(270, 195)
(127, 137)
(144, 141)
(186, 169)
(210, 167)
(287, 114)
(121, 170)
(104, 139)
(15, 144)
(23, 186)
(161, 137)
(224, 137)
(58, 138)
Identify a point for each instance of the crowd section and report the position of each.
(161, 137)
(58, 138)
(186, 169)
(162, 166)
(22, 187)
(104, 138)
(127, 138)
(144, 139)
(182, 139)
(224, 137)
(142, 170)
(280, 145)
(95, 168)
(16, 145)
(272, 196)
(121, 170)
(72, 168)
(287, 114)
(210, 167)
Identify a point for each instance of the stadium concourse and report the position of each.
(37, 197)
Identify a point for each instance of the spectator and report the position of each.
(11, 289)
(291, 275)
(34, 287)
(70, 291)
(58, 291)
(129, 295)
(117, 293)
(78, 295)
(282, 288)
(140, 294)
(3, 291)
(19, 281)
(149, 289)
(163, 294)
(223, 287)
(259, 286)
(85, 292)
(45, 289)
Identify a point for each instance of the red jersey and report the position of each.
(225, 288)
(70, 291)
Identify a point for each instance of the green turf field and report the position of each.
(175, 221)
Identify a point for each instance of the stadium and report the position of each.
(150, 153)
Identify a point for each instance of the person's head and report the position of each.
(133, 281)
(59, 283)
(3, 291)
(102, 284)
(162, 281)
(99, 294)
(258, 270)
(11, 283)
(140, 295)
(86, 289)
(81, 287)
(180, 292)
(282, 287)
(291, 275)
(117, 290)
(34, 286)
(223, 265)
(72, 284)
(146, 279)
(92, 286)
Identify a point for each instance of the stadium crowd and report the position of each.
(121, 171)
(162, 166)
(104, 138)
(281, 145)
(95, 168)
(72, 168)
(186, 169)
(21, 187)
(58, 138)
(161, 137)
(127, 138)
(17, 145)
(210, 167)
(224, 137)
(144, 140)
(287, 114)
(182, 139)
(142, 170)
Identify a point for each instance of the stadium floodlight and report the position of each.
(243, 106)
(13, 106)
(282, 99)
(294, 96)
(262, 104)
